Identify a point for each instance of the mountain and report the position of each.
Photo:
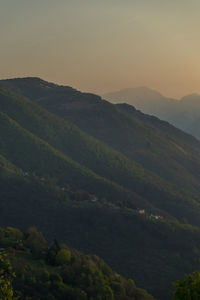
(83, 150)
(156, 161)
(107, 179)
(183, 113)
(187, 116)
(30, 269)
(79, 146)
(145, 99)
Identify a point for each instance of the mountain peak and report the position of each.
(141, 88)
(140, 92)
(28, 81)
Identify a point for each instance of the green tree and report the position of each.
(6, 275)
(63, 257)
(35, 240)
(15, 233)
(188, 288)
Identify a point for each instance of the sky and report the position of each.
(103, 45)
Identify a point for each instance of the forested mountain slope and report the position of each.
(159, 154)
(121, 179)
(103, 120)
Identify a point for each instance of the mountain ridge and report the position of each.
(125, 161)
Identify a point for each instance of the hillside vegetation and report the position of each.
(57, 272)
(103, 178)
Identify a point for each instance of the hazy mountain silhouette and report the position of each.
(143, 98)
(183, 113)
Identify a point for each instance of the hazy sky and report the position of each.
(103, 45)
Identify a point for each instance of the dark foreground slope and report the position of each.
(57, 272)
(155, 252)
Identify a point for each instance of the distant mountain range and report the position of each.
(104, 178)
(183, 113)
